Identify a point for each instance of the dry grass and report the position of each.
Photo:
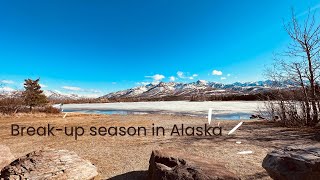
(124, 157)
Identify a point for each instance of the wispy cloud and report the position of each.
(142, 83)
(180, 74)
(78, 89)
(7, 81)
(311, 9)
(82, 93)
(172, 78)
(43, 85)
(216, 73)
(156, 77)
(92, 90)
(6, 89)
(91, 95)
(72, 88)
(315, 7)
(183, 75)
(223, 78)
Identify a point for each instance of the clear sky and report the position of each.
(96, 47)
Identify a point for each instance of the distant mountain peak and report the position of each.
(161, 89)
(51, 94)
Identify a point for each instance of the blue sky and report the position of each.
(95, 47)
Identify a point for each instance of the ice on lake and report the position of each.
(221, 109)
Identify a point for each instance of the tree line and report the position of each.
(30, 100)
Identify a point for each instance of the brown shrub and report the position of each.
(48, 109)
(10, 105)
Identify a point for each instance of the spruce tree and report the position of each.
(33, 95)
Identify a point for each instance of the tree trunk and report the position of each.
(312, 86)
(305, 94)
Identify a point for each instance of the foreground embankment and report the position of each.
(118, 155)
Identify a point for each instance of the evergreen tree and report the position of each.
(33, 95)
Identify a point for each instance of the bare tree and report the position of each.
(300, 65)
(306, 45)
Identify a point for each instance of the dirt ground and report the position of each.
(127, 157)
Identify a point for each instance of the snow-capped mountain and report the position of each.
(199, 87)
(54, 95)
(169, 89)
(10, 93)
(51, 95)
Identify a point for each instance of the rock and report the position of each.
(256, 116)
(168, 165)
(293, 163)
(276, 118)
(253, 116)
(5, 156)
(49, 164)
(316, 137)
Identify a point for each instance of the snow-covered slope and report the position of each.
(52, 95)
(60, 96)
(167, 89)
(193, 88)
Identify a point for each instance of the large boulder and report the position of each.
(5, 156)
(172, 165)
(49, 164)
(293, 163)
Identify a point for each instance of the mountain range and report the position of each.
(177, 89)
(200, 87)
(51, 95)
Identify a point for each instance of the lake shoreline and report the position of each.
(237, 110)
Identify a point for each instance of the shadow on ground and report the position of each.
(258, 175)
(133, 175)
(260, 133)
(266, 135)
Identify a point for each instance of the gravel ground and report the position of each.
(123, 157)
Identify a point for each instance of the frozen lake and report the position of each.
(221, 109)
